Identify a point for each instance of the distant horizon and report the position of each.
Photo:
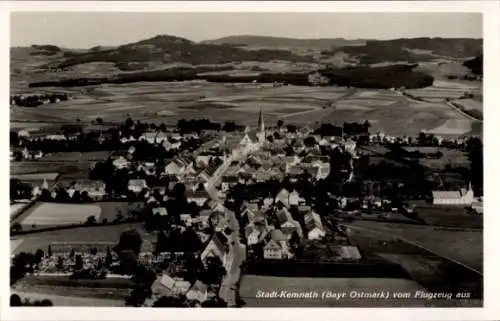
(84, 30)
(246, 35)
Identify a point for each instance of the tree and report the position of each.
(39, 254)
(17, 227)
(280, 124)
(128, 262)
(91, 220)
(99, 120)
(161, 242)
(129, 240)
(291, 128)
(78, 262)
(49, 251)
(109, 257)
(72, 254)
(15, 300)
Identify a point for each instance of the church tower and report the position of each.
(261, 130)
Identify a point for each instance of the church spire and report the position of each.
(260, 124)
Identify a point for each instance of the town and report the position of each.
(218, 197)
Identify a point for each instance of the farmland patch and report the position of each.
(453, 127)
(60, 214)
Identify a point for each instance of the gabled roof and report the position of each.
(159, 210)
(197, 194)
(199, 286)
(284, 215)
(167, 281)
(137, 182)
(446, 194)
(278, 236)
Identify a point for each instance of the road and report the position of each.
(237, 255)
(450, 104)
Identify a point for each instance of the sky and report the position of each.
(89, 29)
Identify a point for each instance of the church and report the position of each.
(462, 197)
(252, 140)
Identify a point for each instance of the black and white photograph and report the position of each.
(246, 159)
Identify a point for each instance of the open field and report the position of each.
(77, 157)
(44, 215)
(110, 233)
(52, 214)
(36, 177)
(251, 284)
(470, 104)
(450, 156)
(169, 101)
(463, 246)
(69, 170)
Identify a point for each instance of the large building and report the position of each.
(462, 197)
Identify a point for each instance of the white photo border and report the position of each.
(491, 28)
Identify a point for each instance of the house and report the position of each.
(215, 206)
(294, 198)
(284, 215)
(204, 217)
(186, 219)
(174, 167)
(283, 197)
(198, 292)
(137, 185)
(314, 226)
(217, 220)
(96, 190)
(202, 161)
(277, 246)
(228, 182)
(349, 252)
(290, 227)
(199, 197)
(462, 197)
(121, 163)
(217, 247)
(249, 211)
(168, 286)
(162, 211)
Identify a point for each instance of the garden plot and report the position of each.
(60, 214)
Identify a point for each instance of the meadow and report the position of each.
(168, 102)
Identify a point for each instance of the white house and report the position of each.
(314, 226)
(136, 185)
(277, 246)
(174, 167)
(216, 247)
(198, 292)
(121, 163)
